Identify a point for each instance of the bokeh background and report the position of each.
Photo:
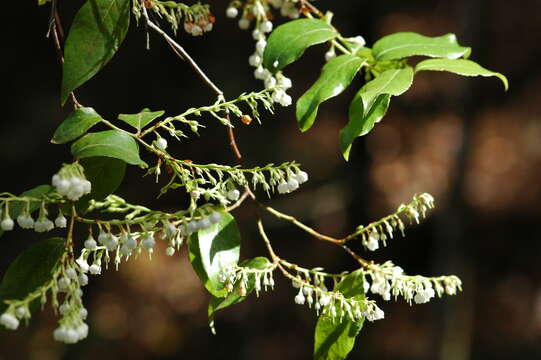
(474, 147)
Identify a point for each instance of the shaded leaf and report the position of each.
(405, 44)
(335, 339)
(142, 119)
(461, 67)
(234, 297)
(335, 77)
(77, 124)
(289, 41)
(30, 270)
(371, 102)
(97, 31)
(17, 207)
(105, 174)
(214, 248)
(110, 143)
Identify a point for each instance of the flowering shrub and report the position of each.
(81, 194)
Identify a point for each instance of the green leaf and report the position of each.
(216, 303)
(94, 37)
(30, 270)
(110, 143)
(142, 119)
(335, 339)
(105, 174)
(289, 41)
(214, 248)
(370, 104)
(43, 2)
(77, 124)
(335, 77)
(405, 44)
(17, 207)
(461, 67)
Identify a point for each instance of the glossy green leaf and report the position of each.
(105, 174)
(370, 104)
(97, 31)
(335, 77)
(289, 41)
(459, 66)
(234, 297)
(141, 119)
(39, 192)
(335, 339)
(30, 270)
(110, 143)
(77, 124)
(405, 44)
(213, 249)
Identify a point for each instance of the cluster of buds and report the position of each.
(278, 81)
(334, 304)
(200, 26)
(245, 278)
(25, 220)
(71, 182)
(384, 229)
(72, 324)
(292, 182)
(390, 281)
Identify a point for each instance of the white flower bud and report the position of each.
(95, 269)
(161, 144)
(260, 46)
(300, 299)
(170, 251)
(324, 300)
(25, 221)
(71, 273)
(244, 24)
(301, 177)
(83, 313)
(9, 321)
(292, 184)
(83, 265)
(254, 60)
(148, 242)
(330, 55)
(83, 280)
(285, 82)
(61, 221)
(7, 224)
(256, 34)
(196, 30)
(266, 26)
(260, 73)
(231, 12)
(270, 82)
(233, 195)
(91, 244)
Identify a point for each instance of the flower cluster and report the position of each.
(244, 279)
(71, 182)
(258, 11)
(385, 228)
(293, 182)
(388, 281)
(26, 221)
(200, 26)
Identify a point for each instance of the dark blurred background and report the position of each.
(465, 141)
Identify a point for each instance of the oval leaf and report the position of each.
(142, 119)
(370, 104)
(335, 339)
(110, 143)
(30, 270)
(360, 124)
(214, 248)
(94, 37)
(289, 41)
(405, 44)
(77, 124)
(335, 77)
(105, 174)
(461, 67)
(215, 304)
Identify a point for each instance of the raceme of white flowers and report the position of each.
(264, 26)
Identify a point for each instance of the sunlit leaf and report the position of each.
(405, 44)
(110, 143)
(77, 124)
(335, 77)
(460, 67)
(97, 31)
(213, 249)
(141, 119)
(289, 41)
(371, 102)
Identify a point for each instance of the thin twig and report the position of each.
(182, 52)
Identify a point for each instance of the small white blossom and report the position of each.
(300, 299)
(95, 269)
(161, 144)
(233, 195)
(7, 224)
(91, 244)
(231, 12)
(266, 26)
(61, 221)
(25, 221)
(254, 60)
(170, 251)
(244, 24)
(9, 321)
(330, 55)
